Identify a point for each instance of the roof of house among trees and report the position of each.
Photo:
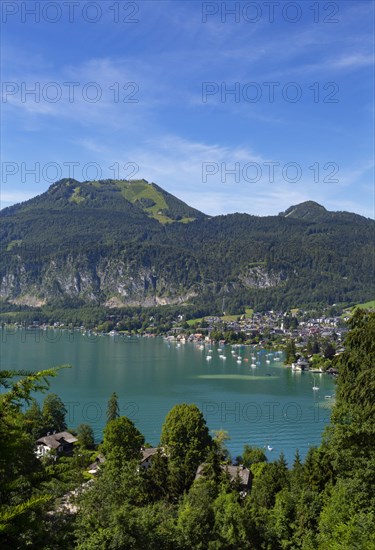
(54, 441)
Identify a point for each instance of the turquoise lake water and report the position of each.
(265, 405)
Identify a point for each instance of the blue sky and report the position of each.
(150, 83)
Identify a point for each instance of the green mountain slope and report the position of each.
(115, 194)
(313, 212)
(108, 211)
(118, 243)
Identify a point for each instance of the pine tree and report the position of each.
(85, 436)
(290, 352)
(113, 409)
(34, 420)
(54, 412)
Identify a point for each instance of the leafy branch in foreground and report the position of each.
(12, 514)
(30, 381)
(21, 505)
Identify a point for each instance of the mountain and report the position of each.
(117, 195)
(308, 210)
(116, 243)
(94, 211)
(314, 212)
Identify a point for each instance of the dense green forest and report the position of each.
(117, 244)
(326, 502)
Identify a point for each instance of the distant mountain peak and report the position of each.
(136, 197)
(308, 210)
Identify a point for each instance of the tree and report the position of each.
(350, 437)
(344, 521)
(290, 351)
(34, 420)
(85, 436)
(356, 383)
(329, 350)
(53, 414)
(185, 430)
(195, 515)
(105, 521)
(317, 469)
(186, 441)
(157, 476)
(21, 500)
(308, 507)
(122, 440)
(297, 474)
(297, 463)
(212, 465)
(309, 346)
(113, 410)
(217, 335)
(230, 528)
(252, 455)
(282, 518)
(315, 348)
(106, 518)
(221, 436)
(272, 479)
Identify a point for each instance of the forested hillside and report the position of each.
(117, 243)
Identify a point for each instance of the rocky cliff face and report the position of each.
(257, 277)
(111, 281)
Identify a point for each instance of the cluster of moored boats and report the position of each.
(235, 354)
(254, 359)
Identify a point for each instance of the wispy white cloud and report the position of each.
(117, 94)
(170, 134)
(353, 60)
(220, 179)
(93, 146)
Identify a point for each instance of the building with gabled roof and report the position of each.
(61, 442)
